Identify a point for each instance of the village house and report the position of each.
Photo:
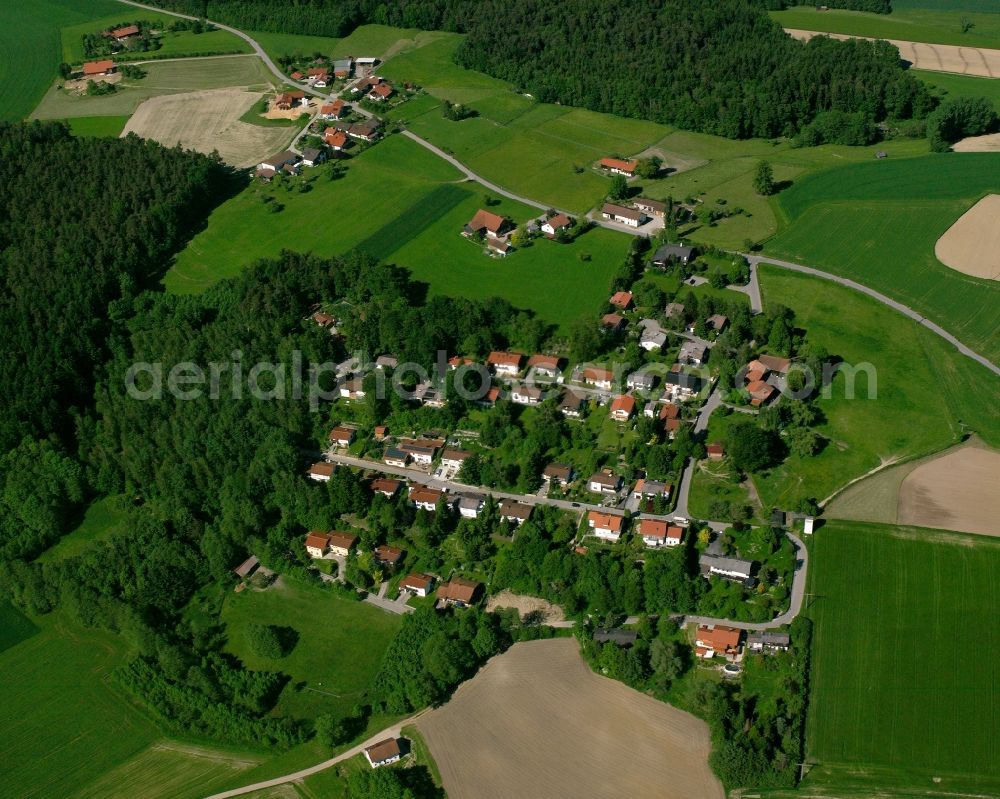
(622, 407)
(335, 139)
(352, 389)
(715, 451)
(97, 69)
(595, 376)
(774, 363)
(607, 526)
(367, 130)
(613, 323)
(454, 458)
(317, 545)
(385, 555)
(557, 223)
(525, 395)
(616, 636)
(760, 393)
(617, 166)
(604, 482)
(651, 489)
(571, 404)
(768, 643)
(491, 398)
(342, 543)
(545, 365)
(471, 505)
(277, 163)
(318, 76)
(341, 436)
(386, 486)
(394, 456)
(692, 352)
(655, 208)
(668, 254)
(755, 371)
(457, 360)
(652, 338)
(286, 101)
(311, 156)
(321, 472)
(458, 592)
(296, 75)
(717, 322)
(622, 214)
(660, 533)
(121, 34)
(711, 640)
(342, 67)
(422, 450)
(386, 362)
(322, 319)
(674, 310)
(681, 385)
(642, 380)
(505, 363)
(425, 498)
(380, 92)
(499, 247)
(514, 512)
(622, 300)
(417, 584)
(383, 753)
(487, 224)
(730, 568)
(558, 473)
(380, 433)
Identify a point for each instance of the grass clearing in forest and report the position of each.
(103, 518)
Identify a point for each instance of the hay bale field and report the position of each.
(537, 723)
(956, 491)
(972, 245)
(209, 120)
(979, 61)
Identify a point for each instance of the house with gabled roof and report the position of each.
(618, 166)
(458, 592)
(95, 69)
(623, 215)
(607, 526)
(505, 363)
(613, 323)
(622, 300)
(425, 498)
(383, 753)
(668, 254)
(557, 223)
(487, 224)
(571, 404)
(386, 555)
(317, 545)
(342, 543)
(321, 471)
(547, 365)
(341, 436)
(604, 482)
(655, 208)
(515, 512)
(559, 473)
(622, 407)
(394, 456)
(386, 486)
(417, 583)
(597, 376)
(717, 639)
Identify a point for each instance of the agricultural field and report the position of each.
(340, 644)
(545, 706)
(422, 234)
(97, 126)
(946, 85)
(62, 722)
(167, 77)
(972, 245)
(878, 223)
(103, 518)
(937, 21)
(15, 627)
(30, 51)
(903, 695)
(904, 420)
(378, 41)
(173, 44)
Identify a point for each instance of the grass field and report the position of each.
(878, 222)
(904, 690)
(61, 723)
(934, 21)
(377, 41)
(168, 77)
(339, 648)
(905, 419)
(103, 518)
(412, 215)
(947, 85)
(30, 49)
(97, 126)
(181, 43)
(15, 627)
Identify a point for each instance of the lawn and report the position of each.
(907, 418)
(101, 519)
(934, 21)
(29, 48)
(340, 644)
(166, 77)
(62, 723)
(878, 222)
(413, 215)
(904, 687)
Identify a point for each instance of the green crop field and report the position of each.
(904, 684)
(934, 21)
(948, 85)
(375, 41)
(905, 419)
(15, 627)
(30, 51)
(400, 203)
(97, 126)
(878, 223)
(338, 651)
(61, 722)
(162, 77)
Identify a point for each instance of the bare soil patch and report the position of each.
(990, 143)
(673, 163)
(208, 120)
(537, 723)
(972, 245)
(525, 605)
(979, 61)
(956, 491)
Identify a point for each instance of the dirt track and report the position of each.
(957, 491)
(972, 244)
(934, 57)
(209, 120)
(537, 723)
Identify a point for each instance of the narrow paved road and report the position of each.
(898, 306)
(700, 425)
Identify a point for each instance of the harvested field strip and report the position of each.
(411, 222)
(556, 730)
(972, 244)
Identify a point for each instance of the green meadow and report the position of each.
(903, 419)
(878, 223)
(401, 203)
(103, 518)
(904, 687)
(949, 86)
(372, 41)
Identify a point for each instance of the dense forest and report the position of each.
(873, 6)
(721, 67)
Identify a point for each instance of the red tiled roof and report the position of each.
(653, 528)
(621, 299)
(545, 361)
(594, 374)
(121, 33)
(484, 220)
(617, 163)
(416, 580)
(623, 402)
(97, 67)
(335, 138)
(606, 521)
(721, 639)
(497, 358)
(344, 540)
(458, 590)
(318, 540)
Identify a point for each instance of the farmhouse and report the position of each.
(499, 247)
(342, 543)
(768, 643)
(557, 223)
(417, 584)
(486, 224)
(607, 526)
(341, 436)
(335, 139)
(616, 636)
(317, 545)
(692, 352)
(622, 407)
(334, 110)
(604, 482)
(711, 640)
(571, 404)
(613, 323)
(525, 395)
(121, 34)
(505, 363)
(425, 498)
(622, 300)
(296, 75)
(394, 456)
(617, 166)
(383, 753)
(595, 376)
(458, 592)
(668, 254)
(288, 100)
(559, 473)
(471, 505)
(547, 365)
(623, 215)
(94, 69)
(515, 512)
(321, 472)
(730, 568)
(655, 208)
(311, 156)
(386, 486)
